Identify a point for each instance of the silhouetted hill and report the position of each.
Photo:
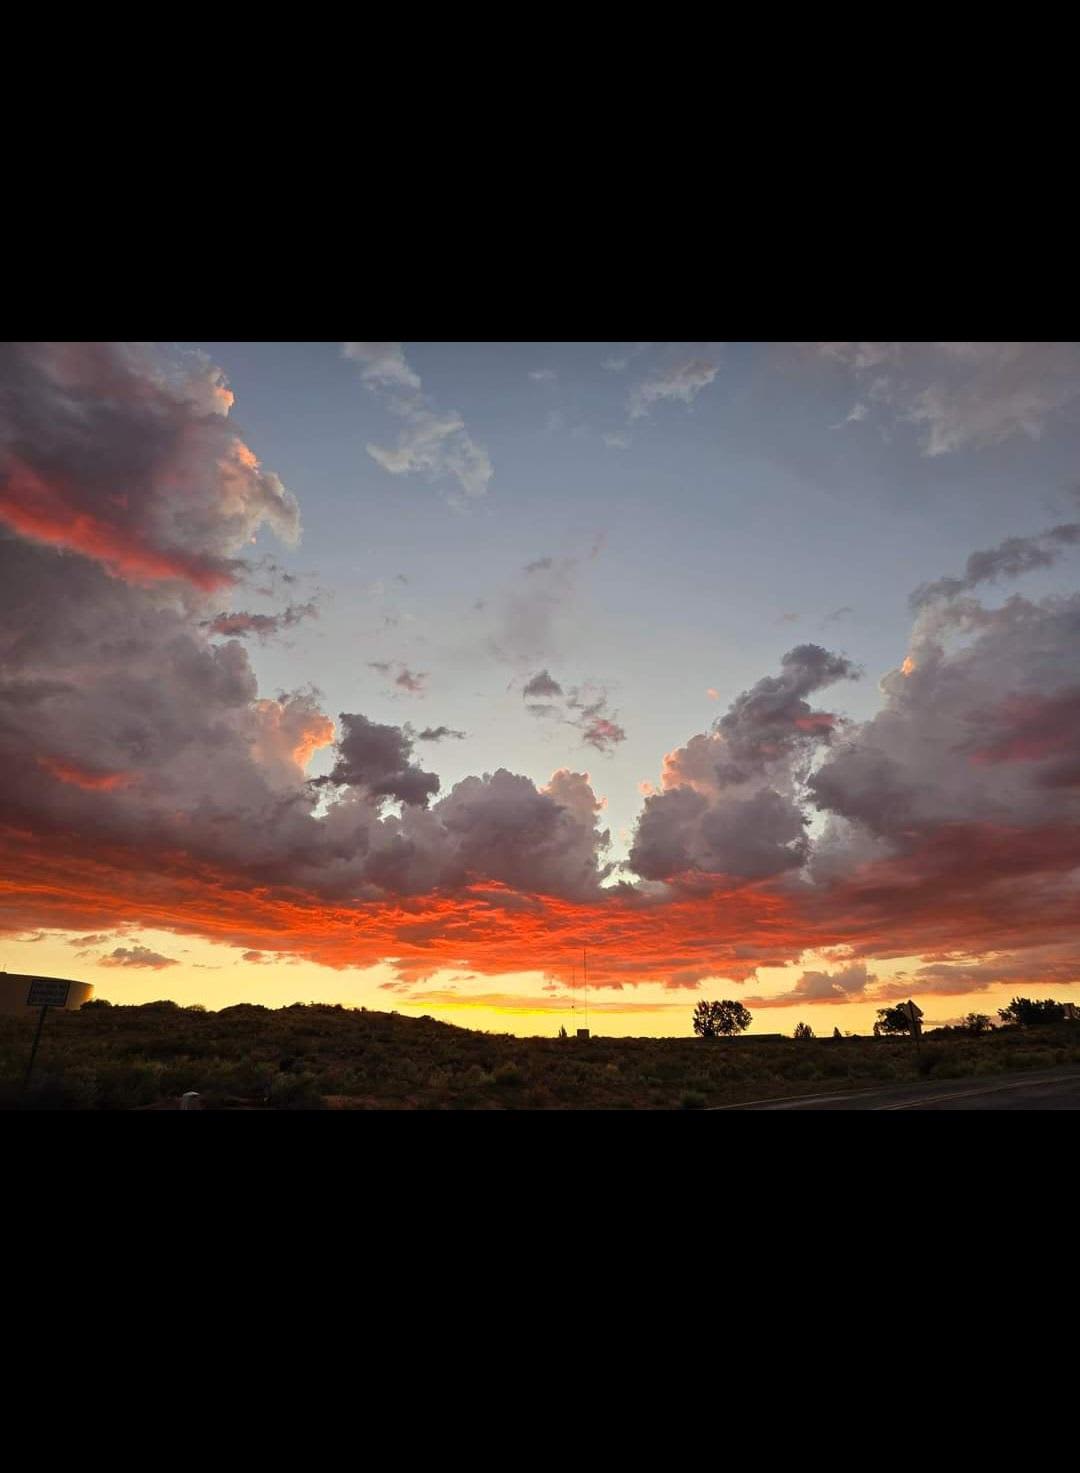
(321, 1056)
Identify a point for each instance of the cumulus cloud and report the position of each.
(964, 394)
(732, 800)
(145, 780)
(979, 731)
(124, 453)
(844, 985)
(376, 759)
(434, 442)
(137, 956)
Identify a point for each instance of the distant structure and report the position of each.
(914, 1014)
(583, 1033)
(15, 990)
(1070, 1012)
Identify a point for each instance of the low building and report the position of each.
(15, 991)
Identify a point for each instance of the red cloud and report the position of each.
(49, 512)
(81, 777)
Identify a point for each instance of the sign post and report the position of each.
(914, 1013)
(45, 993)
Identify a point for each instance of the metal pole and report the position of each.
(33, 1051)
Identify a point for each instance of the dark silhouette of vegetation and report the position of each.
(892, 1021)
(836, 1033)
(803, 1030)
(977, 1023)
(720, 1019)
(1026, 1013)
(147, 1057)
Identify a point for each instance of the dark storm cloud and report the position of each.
(376, 758)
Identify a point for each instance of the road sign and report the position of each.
(47, 992)
(914, 1014)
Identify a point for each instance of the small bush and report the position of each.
(933, 1061)
(295, 1092)
(693, 1099)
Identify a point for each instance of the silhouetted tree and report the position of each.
(713, 1019)
(562, 1033)
(1025, 1012)
(836, 1033)
(892, 1020)
(977, 1023)
(803, 1030)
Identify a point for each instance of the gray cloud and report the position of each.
(138, 956)
(80, 420)
(964, 394)
(542, 684)
(376, 758)
(382, 364)
(732, 800)
(1010, 559)
(682, 379)
(240, 625)
(436, 443)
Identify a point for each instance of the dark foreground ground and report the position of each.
(321, 1057)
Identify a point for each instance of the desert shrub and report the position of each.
(930, 1061)
(125, 1086)
(693, 1099)
(48, 1092)
(509, 1075)
(295, 1091)
(804, 1069)
(476, 1078)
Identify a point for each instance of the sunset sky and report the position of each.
(394, 674)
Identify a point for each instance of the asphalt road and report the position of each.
(1041, 1089)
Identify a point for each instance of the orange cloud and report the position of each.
(41, 510)
(82, 777)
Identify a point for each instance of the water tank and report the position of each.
(15, 989)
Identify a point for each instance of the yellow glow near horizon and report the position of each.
(216, 975)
